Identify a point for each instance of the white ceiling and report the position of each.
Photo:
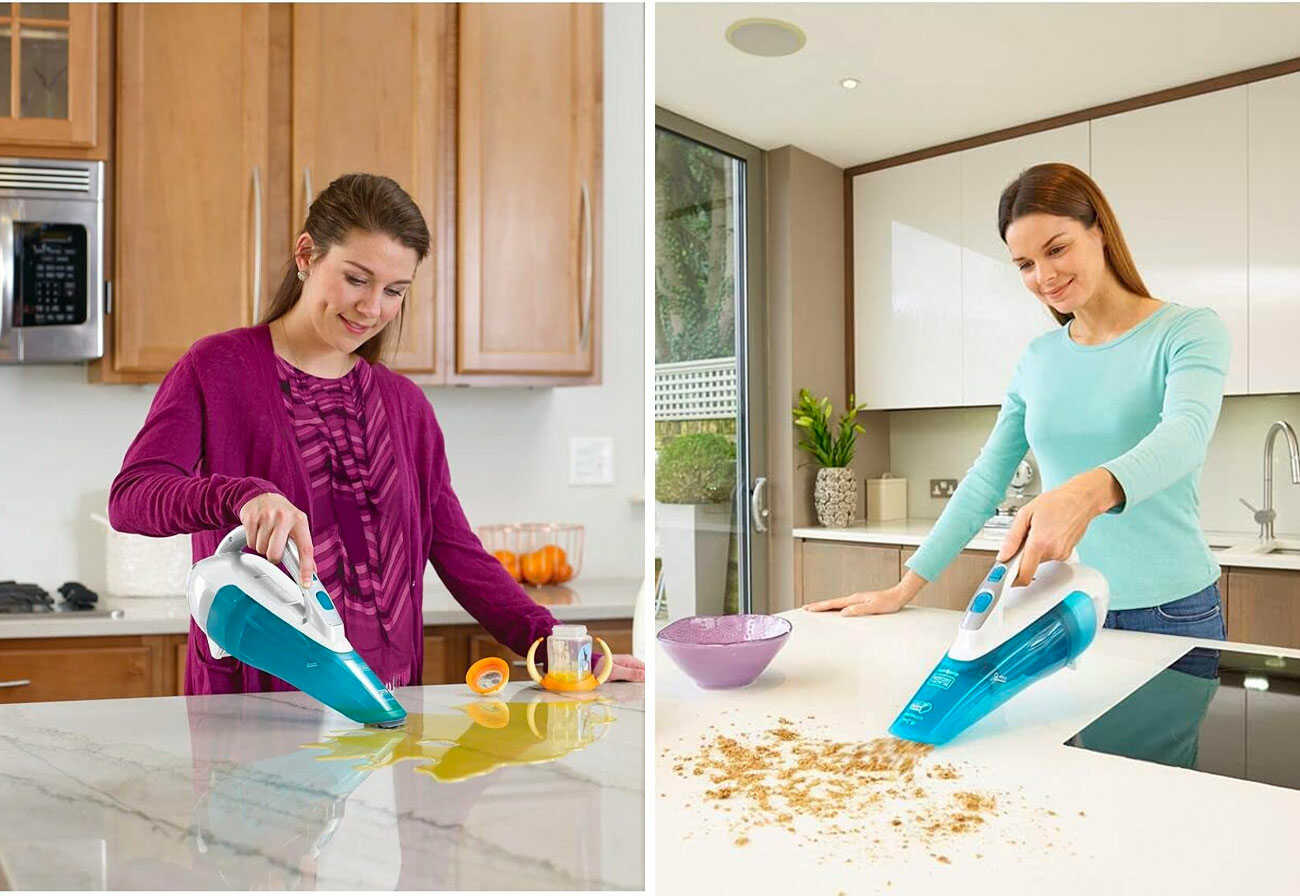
(932, 73)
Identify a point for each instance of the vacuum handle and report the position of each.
(237, 540)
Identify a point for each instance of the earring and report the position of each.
(302, 275)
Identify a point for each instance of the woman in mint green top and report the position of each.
(1118, 405)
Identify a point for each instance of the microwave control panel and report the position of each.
(49, 274)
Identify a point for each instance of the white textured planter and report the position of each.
(693, 542)
(835, 496)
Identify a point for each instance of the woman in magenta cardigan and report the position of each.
(294, 429)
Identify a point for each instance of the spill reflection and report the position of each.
(477, 738)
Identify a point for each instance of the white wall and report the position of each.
(62, 440)
(937, 444)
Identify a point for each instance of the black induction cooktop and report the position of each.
(1223, 712)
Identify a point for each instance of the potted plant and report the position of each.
(695, 481)
(835, 494)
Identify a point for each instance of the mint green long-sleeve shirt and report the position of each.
(1143, 406)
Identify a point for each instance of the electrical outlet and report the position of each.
(942, 488)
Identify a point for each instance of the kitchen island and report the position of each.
(256, 791)
(1030, 811)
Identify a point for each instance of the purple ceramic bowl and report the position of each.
(725, 651)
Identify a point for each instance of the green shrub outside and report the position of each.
(699, 468)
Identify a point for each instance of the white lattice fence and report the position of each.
(696, 390)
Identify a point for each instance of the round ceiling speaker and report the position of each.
(766, 37)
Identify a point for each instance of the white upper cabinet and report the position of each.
(1274, 268)
(999, 315)
(1175, 175)
(907, 285)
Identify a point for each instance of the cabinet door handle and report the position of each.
(757, 512)
(306, 191)
(17, 683)
(584, 299)
(257, 244)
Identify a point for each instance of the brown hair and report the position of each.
(1058, 189)
(367, 202)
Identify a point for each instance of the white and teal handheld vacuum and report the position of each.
(251, 610)
(1008, 638)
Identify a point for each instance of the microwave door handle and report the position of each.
(9, 334)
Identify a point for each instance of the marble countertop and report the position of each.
(1069, 821)
(582, 599)
(274, 791)
(913, 531)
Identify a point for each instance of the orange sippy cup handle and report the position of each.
(532, 663)
(609, 662)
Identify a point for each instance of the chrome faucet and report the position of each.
(1267, 514)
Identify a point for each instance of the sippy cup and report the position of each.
(568, 660)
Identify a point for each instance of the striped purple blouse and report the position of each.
(347, 451)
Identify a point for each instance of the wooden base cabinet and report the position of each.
(836, 568)
(1264, 606)
(34, 670)
(955, 587)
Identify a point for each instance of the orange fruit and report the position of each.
(563, 574)
(538, 567)
(558, 561)
(510, 562)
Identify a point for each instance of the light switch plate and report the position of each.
(591, 460)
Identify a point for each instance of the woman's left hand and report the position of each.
(627, 668)
(1051, 525)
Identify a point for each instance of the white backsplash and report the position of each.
(943, 443)
(62, 440)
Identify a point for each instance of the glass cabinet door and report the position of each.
(48, 73)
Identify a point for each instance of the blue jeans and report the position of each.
(1198, 615)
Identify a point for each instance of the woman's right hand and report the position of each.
(271, 520)
(864, 603)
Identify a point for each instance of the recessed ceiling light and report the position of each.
(849, 83)
(766, 37)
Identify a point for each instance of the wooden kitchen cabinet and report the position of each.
(955, 587)
(192, 155)
(1264, 606)
(836, 568)
(212, 193)
(52, 95)
(40, 669)
(529, 190)
(391, 112)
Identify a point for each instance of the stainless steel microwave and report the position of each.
(51, 260)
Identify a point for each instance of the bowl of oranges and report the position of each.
(536, 554)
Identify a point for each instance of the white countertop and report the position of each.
(581, 599)
(1119, 826)
(274, 791)
(913, 532)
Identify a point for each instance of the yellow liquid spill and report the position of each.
(477, 739)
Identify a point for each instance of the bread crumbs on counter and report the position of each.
(841, 796)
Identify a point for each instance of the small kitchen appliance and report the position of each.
(1009, 638)
(568, 660)
(251, 610)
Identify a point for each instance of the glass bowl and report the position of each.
(725, 651)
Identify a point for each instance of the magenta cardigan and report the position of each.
(217, 435)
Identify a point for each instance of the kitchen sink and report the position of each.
(1283, 546)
